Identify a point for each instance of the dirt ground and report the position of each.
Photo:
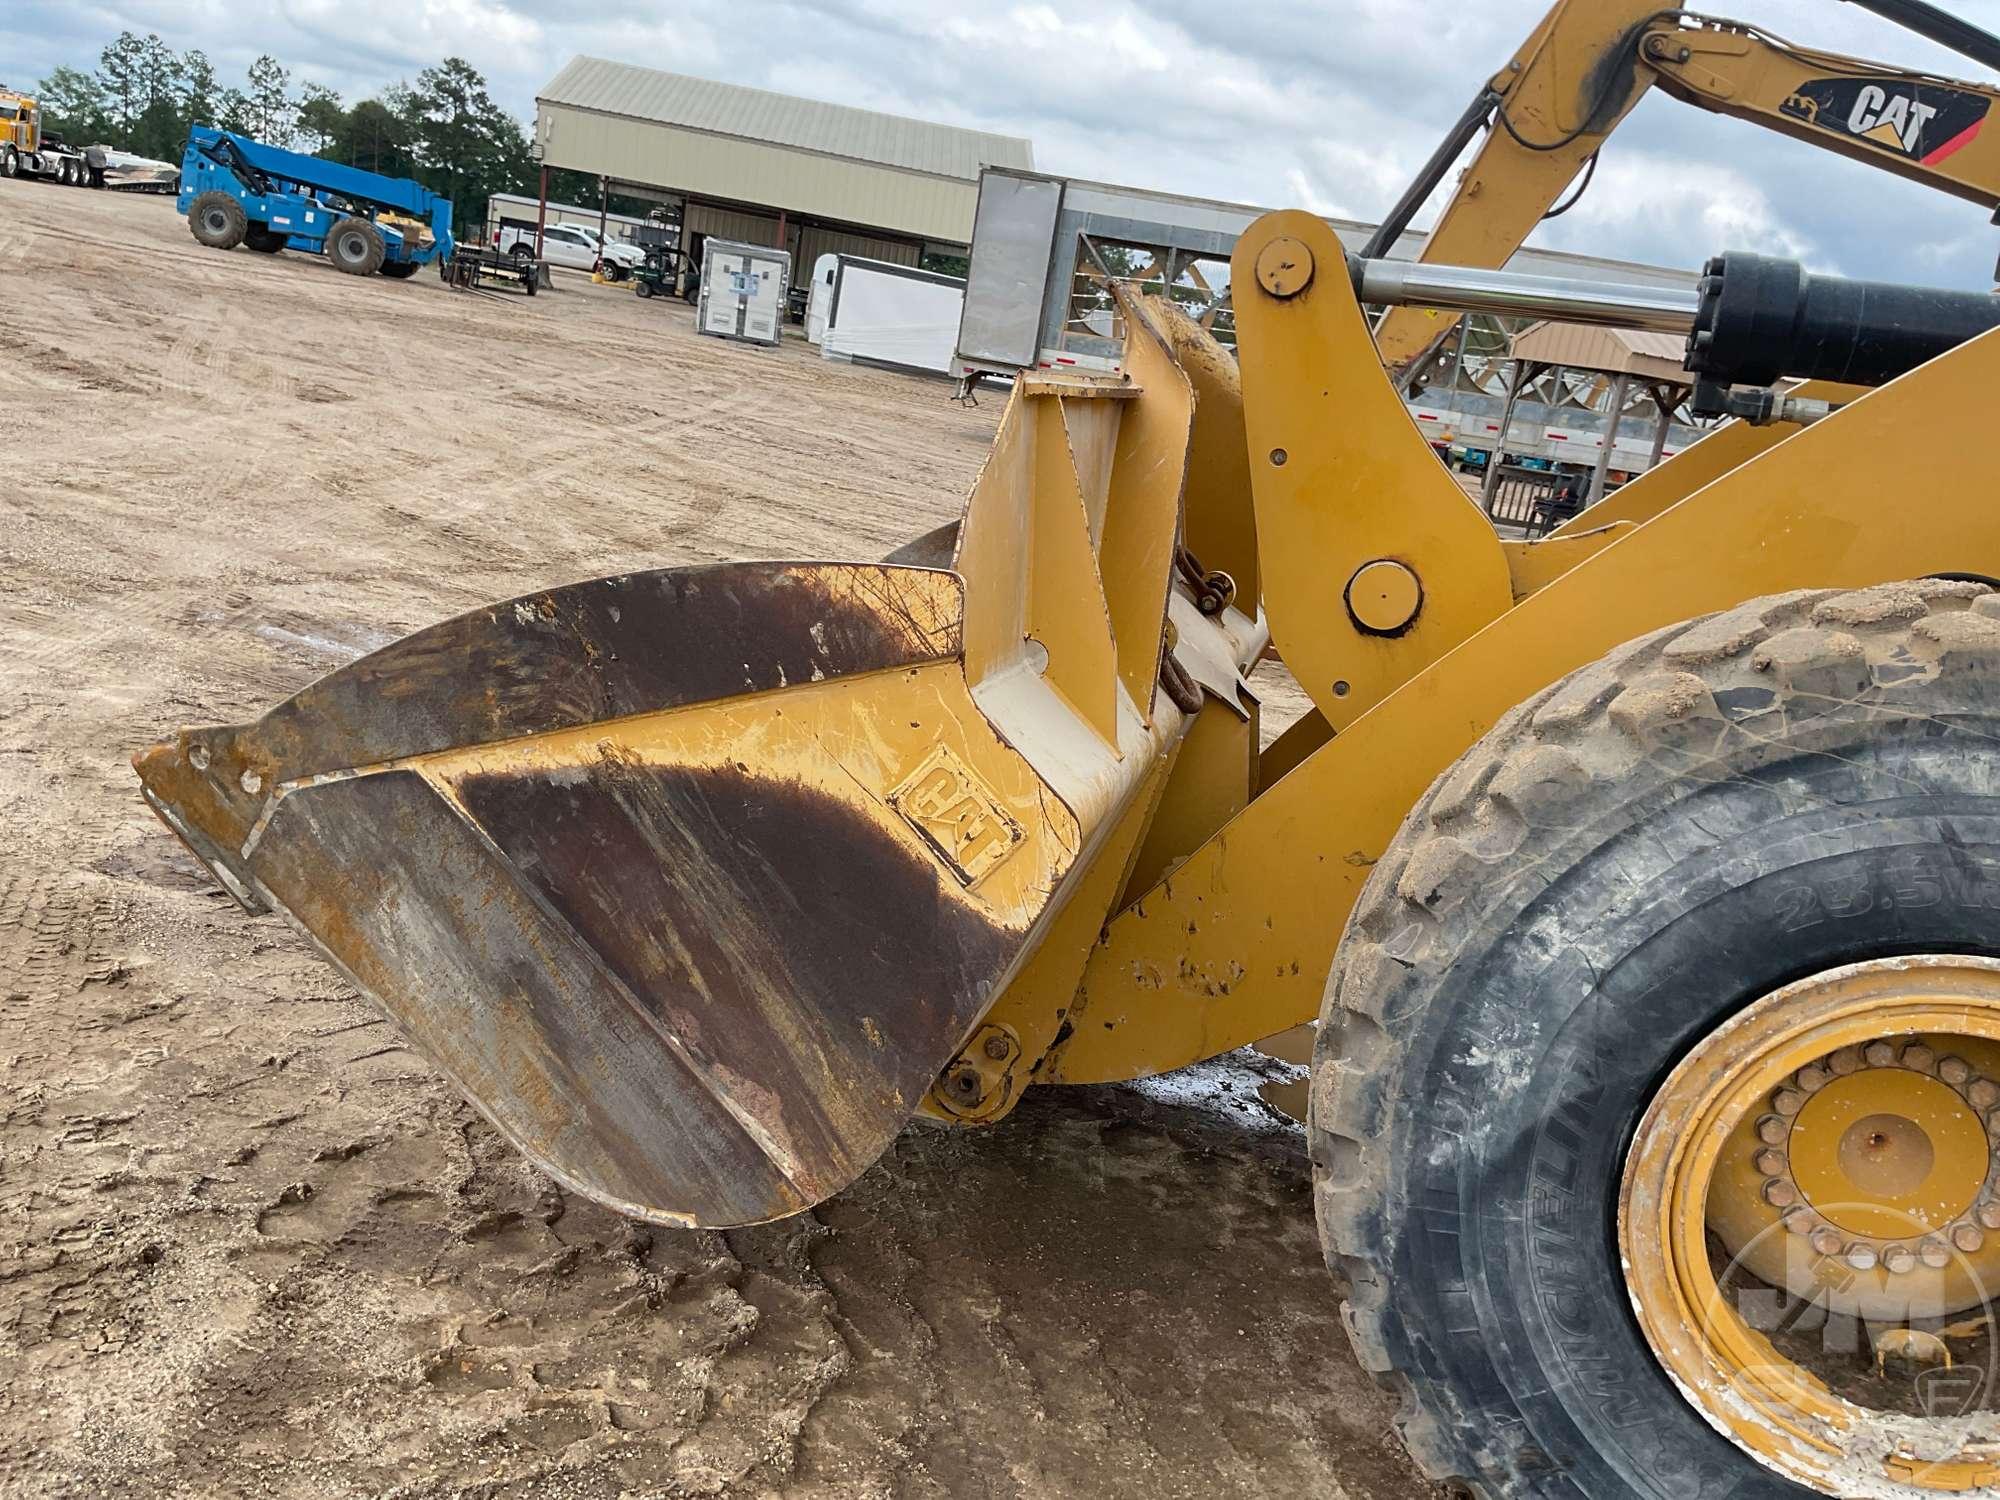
(250, 1246)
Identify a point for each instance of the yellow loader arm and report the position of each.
(1549, 111)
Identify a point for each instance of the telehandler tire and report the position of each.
(1659, 917)
(355, 246)
(401, 270)
(265, 241)
(218, 221)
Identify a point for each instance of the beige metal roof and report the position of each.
(863, 135)
(1632, 351)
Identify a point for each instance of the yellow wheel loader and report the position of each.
(1645, 880)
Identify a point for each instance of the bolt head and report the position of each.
(996, 1047)
(1919, 1057)
(1846, 1060)
(1825, 1241)
(1988, 1214)
(1899, 1259)
(1955, 1070)
(1879, 1054)
(1812, 1078)
(1788, 1101)
(1969, 1238)
(1771, 1162)
(1780, 1193)
(1771, 1130)
(1861, 1257)
(1934, 1254)
(1984, 1093)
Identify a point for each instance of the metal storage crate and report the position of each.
(743, 290)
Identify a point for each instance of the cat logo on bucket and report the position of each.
(956, 815)
(1924, 121)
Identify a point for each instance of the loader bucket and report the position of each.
(691, 880)
(700, 882)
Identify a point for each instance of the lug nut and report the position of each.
(1919, 1057)
(1771, 1130)
(1899, 1259)
(1846, 1060)
(1988, 1214)
(1825, 1241)
(1799, 1221)
(1788, 1101)
(1771, 1163)
(1879, 1054)
(1780, 1193)
(1812, 1078)
(1934, 1254)
(1969, 1238)
(1954, 1070)
(1984, 1093)
(1861, 1257)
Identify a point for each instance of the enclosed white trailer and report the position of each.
(877, 313)
(743, 291)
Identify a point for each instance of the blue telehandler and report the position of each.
(239, 191)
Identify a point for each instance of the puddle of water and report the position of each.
(1296, 1047)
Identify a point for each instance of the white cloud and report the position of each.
(1329, 104)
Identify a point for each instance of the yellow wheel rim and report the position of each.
(1839, 1140)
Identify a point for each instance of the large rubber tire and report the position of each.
(1704, 816)
(400, 270)
(263, 240)
(355, 246)
(644, 288)
(218, 221)
(10, 161)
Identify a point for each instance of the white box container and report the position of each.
(743, 291)
(898, 317)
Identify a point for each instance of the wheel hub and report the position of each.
(1828, 1157)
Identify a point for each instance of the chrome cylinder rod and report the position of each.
(1402, 283)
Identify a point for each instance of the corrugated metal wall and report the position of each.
(802, 182)
(814, 241)
(729, 224)
(808, 242)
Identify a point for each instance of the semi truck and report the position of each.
(27, 150)
(239, 191)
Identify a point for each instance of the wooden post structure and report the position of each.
(1610, 437)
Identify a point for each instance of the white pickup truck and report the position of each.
(574, 245)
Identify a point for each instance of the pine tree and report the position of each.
(320, 116)
(120, 74)
(271, 103)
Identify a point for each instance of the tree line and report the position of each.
(443, 129)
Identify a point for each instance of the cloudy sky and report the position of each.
(1327, 105)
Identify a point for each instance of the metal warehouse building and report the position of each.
(770, 169)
